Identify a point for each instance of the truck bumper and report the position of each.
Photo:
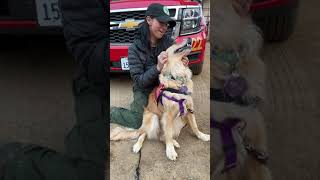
(21, 27)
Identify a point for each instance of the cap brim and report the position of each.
(167, 19)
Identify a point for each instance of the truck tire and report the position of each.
(196, 69)
(278, 27)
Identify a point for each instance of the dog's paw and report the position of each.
(204, 137)
(171, 153)
(136, 147)
(176, 144)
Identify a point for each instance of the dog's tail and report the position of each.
(119, 133)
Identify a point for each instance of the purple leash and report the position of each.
(229, 145)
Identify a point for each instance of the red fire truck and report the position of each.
(275, 17)
(125, 16)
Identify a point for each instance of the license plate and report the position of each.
(48, 13)
(124, 64)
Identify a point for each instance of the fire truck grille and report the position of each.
(121, 16)
(122, 36)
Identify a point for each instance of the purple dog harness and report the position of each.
(229, 145)
(183, 90)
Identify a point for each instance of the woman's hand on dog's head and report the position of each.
(185, 61)
(162, 59)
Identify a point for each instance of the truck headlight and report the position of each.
(191, 19)
(176, 30)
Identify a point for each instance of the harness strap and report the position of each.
(180, 101)
(261, 157)
(175, 91)
(229, 145)
(159, 99)
(221, 96)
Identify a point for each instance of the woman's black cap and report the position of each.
(161, 13)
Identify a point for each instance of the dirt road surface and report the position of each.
(292, 114)
(193, 156)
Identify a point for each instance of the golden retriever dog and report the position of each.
(236, 43)
(239, 144)
(170, 106)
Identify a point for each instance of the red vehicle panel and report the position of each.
(125, 15)
(268, 4)
(43, 17)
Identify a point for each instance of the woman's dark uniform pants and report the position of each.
(130, 117)
(86, 151)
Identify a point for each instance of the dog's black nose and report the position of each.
(189, 42)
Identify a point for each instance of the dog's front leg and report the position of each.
(137, 146)
(194, 127)
(167, 124)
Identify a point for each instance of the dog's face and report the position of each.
(235, 41)
(231, 31)
(177, 51)
(174, 65)
(174, 73)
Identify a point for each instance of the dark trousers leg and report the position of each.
(130, 118)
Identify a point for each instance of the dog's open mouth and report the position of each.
(187, 46)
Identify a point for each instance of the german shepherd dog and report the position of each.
(237, 87)
(170, 106)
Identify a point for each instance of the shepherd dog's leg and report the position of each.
(194, 127)
(148, 129)
(137, 146)
(167, 124)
